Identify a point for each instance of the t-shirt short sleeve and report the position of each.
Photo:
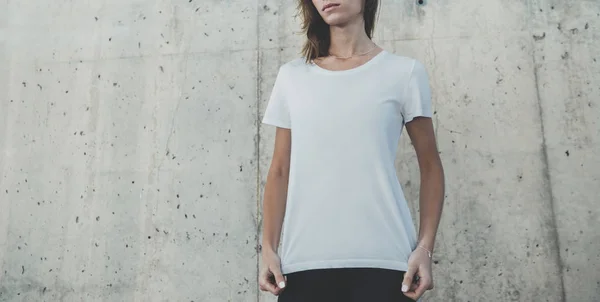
(417, 94)
(277, 112)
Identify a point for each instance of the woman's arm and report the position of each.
(276, 191)
(271, 279)
(431, 196)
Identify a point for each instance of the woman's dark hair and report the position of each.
(317, 31)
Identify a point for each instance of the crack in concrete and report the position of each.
(547, 177)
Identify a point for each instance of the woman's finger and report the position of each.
(265, 282)
(414, 286)
(420, 290)
(265, 285)
(279, 279)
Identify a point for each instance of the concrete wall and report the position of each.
(132, 161)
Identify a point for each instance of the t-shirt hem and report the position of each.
(276, 123)
(348, 263)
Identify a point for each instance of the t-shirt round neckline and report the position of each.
(366, 64)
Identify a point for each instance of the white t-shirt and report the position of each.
(345, 206)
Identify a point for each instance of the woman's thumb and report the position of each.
(279, 279)
(408, 279)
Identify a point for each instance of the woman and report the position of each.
(348, 234)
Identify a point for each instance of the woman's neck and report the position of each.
(349, 39)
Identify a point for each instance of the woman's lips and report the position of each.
(330, 6)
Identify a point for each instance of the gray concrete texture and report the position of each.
(132, 158)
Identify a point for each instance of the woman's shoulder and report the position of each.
(294, 65)
(400, 60)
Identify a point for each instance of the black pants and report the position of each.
(344, 285)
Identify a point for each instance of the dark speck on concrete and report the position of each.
(110, 39)
(77, 219)
(24, 84)
(587, 26)
(538, 38)
(40, 86)
(567, 152)
(96, 18)
(114, 84)
(97, 218)
(178, 206)
(565, 55)
(22, 269)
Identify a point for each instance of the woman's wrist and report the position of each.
(425, 250)
(425, 244)
(268, 248)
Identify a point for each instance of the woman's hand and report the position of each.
(270, 278)
(418, 278)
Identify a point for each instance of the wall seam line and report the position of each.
(257, 148)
